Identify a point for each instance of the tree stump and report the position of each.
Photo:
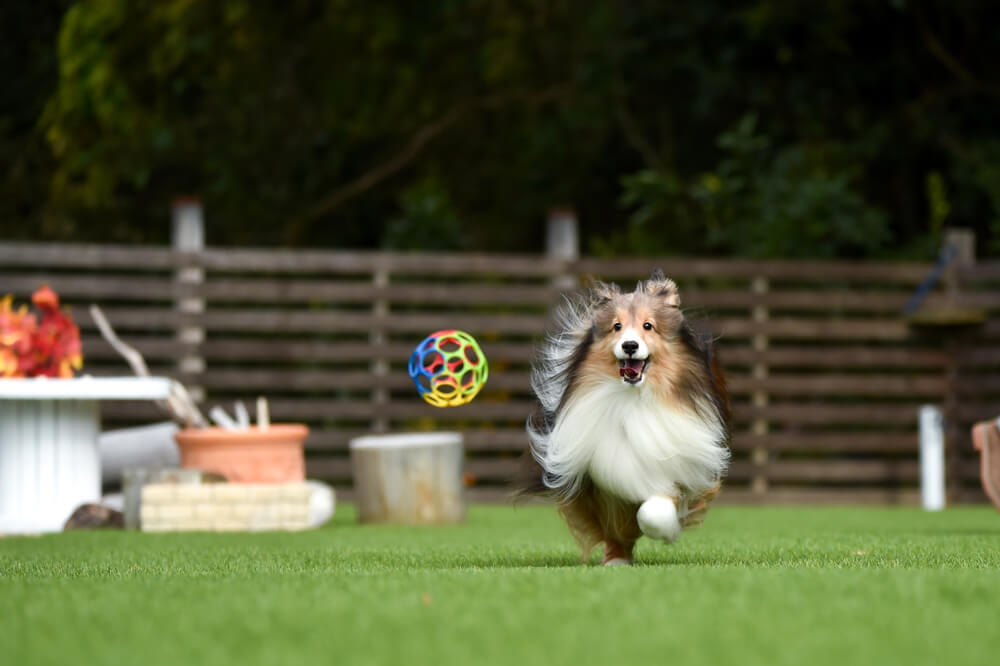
(408, 479)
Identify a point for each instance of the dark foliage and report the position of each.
(757, 128)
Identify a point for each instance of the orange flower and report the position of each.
(45, 299)
(32, 348)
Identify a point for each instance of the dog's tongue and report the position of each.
(631, 368)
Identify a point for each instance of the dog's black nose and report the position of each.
(630, 347)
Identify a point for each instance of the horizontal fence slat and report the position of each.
(83, 255)
(340, 321)
(809, 300)
(983, 270)
(341, 262)
(133, 318)
(826, 414)
(828, 442)
(151, 347)
(314, 380)
(819, 328)
(346, 409)
(229, 349)
(792, 270)
(825, 471)
(804, 495)
(867, 385)
(70, 287)
(827, 356)
(291, 291)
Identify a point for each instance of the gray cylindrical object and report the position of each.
(142, 446)
(408, 479)
(932, 485)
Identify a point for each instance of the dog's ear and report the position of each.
(660, 286)
(603, 291)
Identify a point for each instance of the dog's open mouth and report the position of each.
(631, 369)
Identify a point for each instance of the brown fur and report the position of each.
(594, 517)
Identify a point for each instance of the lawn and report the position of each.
(754, 586)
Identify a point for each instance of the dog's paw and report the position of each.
(658, 519)
(618, 562)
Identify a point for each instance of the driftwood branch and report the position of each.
(950, 62)
(179, 403)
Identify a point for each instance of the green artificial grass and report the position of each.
(753, 586)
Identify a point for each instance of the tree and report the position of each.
(342, 123)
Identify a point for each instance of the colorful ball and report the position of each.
(448, 368)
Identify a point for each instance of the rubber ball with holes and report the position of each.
(448, 368)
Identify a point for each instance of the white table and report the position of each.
(49, 460)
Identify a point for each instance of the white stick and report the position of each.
(132, 357)
(931, 458)
(242, 415)
(222, 419)
(263, 414)
(182, 405)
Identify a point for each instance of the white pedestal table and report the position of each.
(49, 460)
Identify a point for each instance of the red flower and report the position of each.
(33, 348)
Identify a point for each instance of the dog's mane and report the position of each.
(559, 358)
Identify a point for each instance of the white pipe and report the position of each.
(242, 415)
(222, 419)
(931, 458)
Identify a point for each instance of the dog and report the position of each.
(631, 430)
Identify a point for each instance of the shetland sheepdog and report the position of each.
(631, 430)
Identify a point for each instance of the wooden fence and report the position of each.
(826, 374)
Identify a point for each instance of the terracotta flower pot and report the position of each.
(274, 455)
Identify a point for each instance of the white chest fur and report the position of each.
(633, 445)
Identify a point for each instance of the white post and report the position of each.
(931, 458)
(188, 235)
(562, 241)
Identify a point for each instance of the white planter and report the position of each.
(49, 460)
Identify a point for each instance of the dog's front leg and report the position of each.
(658, 517)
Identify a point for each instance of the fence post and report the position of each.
(760, 427)
(964, 241)
(188, 238)
(562, 241)
(378, 337)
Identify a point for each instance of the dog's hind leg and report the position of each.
(696, 510)
(581, 516)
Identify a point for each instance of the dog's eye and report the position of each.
(618, 326)
(648, 326)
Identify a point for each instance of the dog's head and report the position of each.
(640, 336)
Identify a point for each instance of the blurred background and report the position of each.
(773, 128)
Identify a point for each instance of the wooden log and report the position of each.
(409, 479)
